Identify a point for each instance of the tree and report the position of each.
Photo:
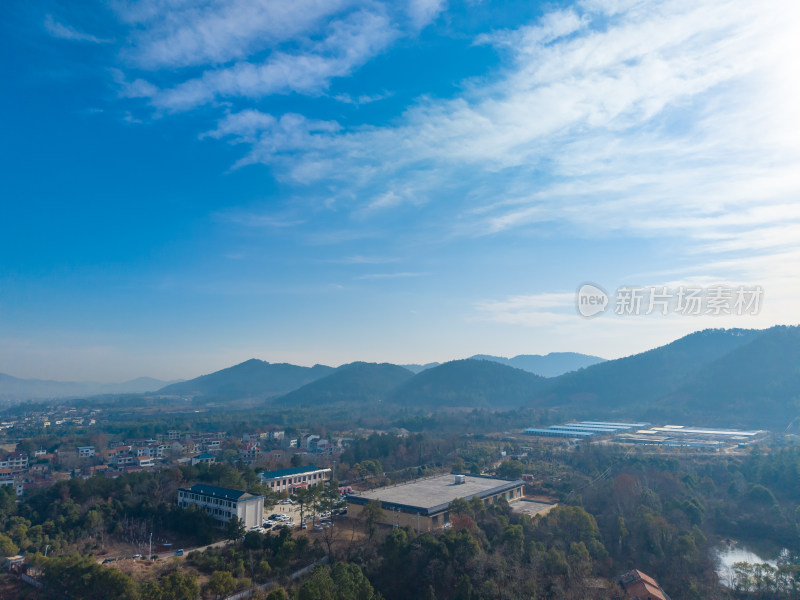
(344, 582)
(319, 585)
(511, 469)
(221, 584)
(235, 529)
(303, 496)
(252, 540)
(174, 586)
(459, 506)
(463, 588)
(350, 583)
(7, 546)
(78, 576)
(372, 514)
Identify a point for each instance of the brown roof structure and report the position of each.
(639, 586)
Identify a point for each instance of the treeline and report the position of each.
(492, 552)
(83, 514)
(665, 515)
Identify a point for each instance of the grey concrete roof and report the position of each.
(432, 495)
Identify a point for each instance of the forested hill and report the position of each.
(15, 389)
(252, 378)
(354, 382)
(470, 383)
(735, 376)
(759, 381)
(547, 365)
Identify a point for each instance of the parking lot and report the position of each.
(292, 511)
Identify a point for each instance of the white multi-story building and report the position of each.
(85, 451)
(223, 504)
(296, 477)
(15, 460)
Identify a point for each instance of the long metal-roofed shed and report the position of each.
(565, 433)
(583, 429)
(423, 504)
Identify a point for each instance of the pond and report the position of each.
(730, 554)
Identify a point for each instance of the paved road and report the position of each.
(168, 554)
(292, 510)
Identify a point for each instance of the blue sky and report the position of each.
(189, 184)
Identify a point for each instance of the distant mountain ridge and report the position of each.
(414, 368)
(354, 382)
(251, 379)
(544, 365)
(15, 389)
(738, 377)
(547, 365)
(469, 383)
(734, 377)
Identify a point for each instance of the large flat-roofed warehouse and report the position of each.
(692, 437)
(423, 504)
(584, 429)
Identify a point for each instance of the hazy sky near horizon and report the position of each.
(187, 184)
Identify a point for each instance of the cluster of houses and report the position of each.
(269, 449)
(56, 416)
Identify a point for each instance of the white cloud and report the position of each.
(401, 275)
(362, 99)
(347, 44)
(180, 34)
(424, 12)
(261, 220)
(273, 138)
(359, 259)
(525, 40)
(663, 120)
(633, 117)
(66, 32)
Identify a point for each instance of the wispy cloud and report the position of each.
(401, 275)
(362, 99)
(274, 137)
(260, 220)
(183, 34)
(423, 12)
(347, 44)
(359, 259)
(67, 32)
(534, 310)
(627, 118)
(608, 118)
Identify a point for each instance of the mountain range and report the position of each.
(15, 389)
(547, 365)
(258, 378)
(735, 377)
(252, 378)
